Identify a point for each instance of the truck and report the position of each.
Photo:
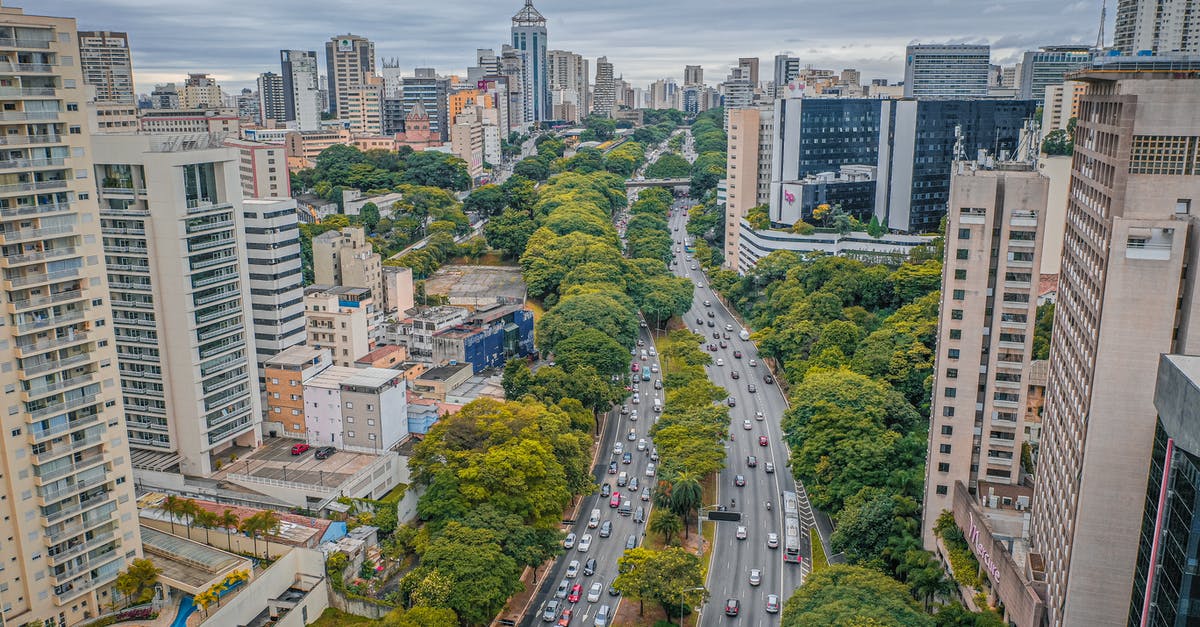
(745, 335)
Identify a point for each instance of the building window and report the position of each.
(944, 448)
(960, 294)
(956, 334)
(349, 404)
(964, 234)
(956, 314)
(370, 436)
(960, 274)
(948, 412)
(947, 430)
(349, 434)
(951, 373)
(941, 490)
(950, 392)
(952, 353)
(943, 467)
(962, 253)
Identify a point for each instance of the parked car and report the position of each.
(300, 449)
(325, 452)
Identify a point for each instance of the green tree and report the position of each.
(519, 194)
(848, 596)
(487, 200)
(509, 232)
(206, 520)
(666, 523)
(669, 166)
(591, 347)
(955, 615)
(369, 214)
(484, 576)
(137, 583)
(231, 523)
(532, 168)
(420, 617)
(865, 525)
(686, 497)
(1042, 331)
(436, 169)
(1058, 143)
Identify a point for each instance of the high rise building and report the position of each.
(1048, 66)
(569, 81)
(249, 108)
(1060, 103)
(486, 64)
(749, 145)
(994, 231)
(786, 69)
(364, 107)
(693, 75)
(946, 71)
(301, 89)
(1126, 295)
(1158, 26)
(272, 97)
(749, 66)
(513, 68)
(107, 65)
(345, 258)
(263, 169)
(349, 61)
(664, 94)
(432, 91)
(175, 250)
(529, 37)
(69, 511)
(276, 279)
(200, 91)
(165, 96)
(604, 99)
(737, 92)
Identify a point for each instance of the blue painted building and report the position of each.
(487, 339)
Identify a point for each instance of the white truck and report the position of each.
(745, 335)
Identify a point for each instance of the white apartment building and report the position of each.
(263, 169)
(946, 71)
(68, 511)
(174, 244)
(1159, 26)
(301, 89)
(275, 274)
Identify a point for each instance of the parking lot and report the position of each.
(274, 460)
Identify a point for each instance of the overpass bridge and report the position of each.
(640, 184)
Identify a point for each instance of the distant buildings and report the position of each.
(487, 339)
(190, 121)
(272, 102)
(748, 176)
(104, 58)
(693, 75)
(604, 97)
(1157, 26)
(200, 91)
(350, 61)
(346, 259)
(529, 38)
(301, 89)
(431, 91)
(569, 85)
(786, 69)
(1048, 66)
(946, 71)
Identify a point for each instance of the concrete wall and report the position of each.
(219, 539)
(357, 607)
(301, 568)
(1058, 170)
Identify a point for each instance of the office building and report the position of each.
(301, 89)
(529, 37)
(665, 94)
(200, 91)
(107, 65)
(1048, 66)
(346, 258)
(1157, 26)
(852, 187)
(737, 92)
(568, 75)
(363, 107)
(165, 96)
(1165, 589)
(994, 231)
(174, 244)
(748, 175)
(1126, 295)
(69, 510)
(604, 98)
(349, 61)
(272, 98)
(946, 71)
(336, 319)
(432, 93)
(201, 121)
(693, 75)
(486, 64)
(276, 278)
(786, 69)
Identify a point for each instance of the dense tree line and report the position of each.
(341, 167)
(710, 144)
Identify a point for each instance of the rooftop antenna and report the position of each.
(1103, 16)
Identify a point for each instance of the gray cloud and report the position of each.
(235, 40)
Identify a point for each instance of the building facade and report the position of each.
(985, 337)
(70, 509)
(272, 101)
(347, 259)
(276, 279)
(569, 79)
(693, 75)
(529, 37)
(301, 89)
(336, 319)
(1049, 66)
(604, 97)
(174, 247)
(946, 71)
(283, 383)
(1125, 296)
(1157, 26)
(749, 147)
(431, 91)
(349, 61)
(200, 91)
(263, 169)
(107, 65)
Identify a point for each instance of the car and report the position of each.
(755, 577)
(622, 479)
(615, 500)
(738, 480)
(747, 425)
(699, 320)
(594, 592)
(725, 335)
(737, 354)
(633, 484)
(585, 543)
(716, 335)
(637, 399)
(729, 327)
(594, 520)
(751, 461)
(605, 490)
(641, 445)
(712, 315)
(758, 415)
(625, 410)
(606, 529)
(641, 342)
(565, 619)
(550, 610)
(723, 344)
(693, 266)
(735, 374)
(772, 541)
(657, 385)
(643, 324)
(576, 592)
(653, 353)
(627, 458)
(635, 367)
(639, 515)
(632, 435)
(651, 468)
(618, 448)
(613, 592)
(645, 375)
(602, 616)
(646, 493)
(769, 467)
(713, 324)
(300, 449)
(612, 468)
(563, 587)
(741, 532)
(731, 401)
(653, 367)
(732, 607)
(631, 542)
(654, 454)
(753, 363)
(573, 569)
(708, 303)
(569, 542)
(720, 362)
(772, 603)
(712, 347)
(751, 388)
(762, 440)
(768, 379)
(325, 452)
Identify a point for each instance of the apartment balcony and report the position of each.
(121, 285)
(87, 582)
(999, 461)
(12, 237)
(27, 68)
(133, 304)
(57, 298)
(208, 226)
(226, 364)
(24, 211)
(109, 230)
(135, 322)
(84, 585)
(49, 322)
(124, 267)
(13, 93)
(123, 191)
(31, 140)
(208, 263)
(91, 461)
(78, 508)
(37, 44)
(62, 408)
(146, 426)
(232, 276)
(106, 210)
(33, 368)
(127, 250)
(35, 257)
(142, 374)
(59, 386)
(94, 542)
(195, 206)
(1006, 404)
(66, 449)
(148, 443)
(211, 333)
(32, 186)
(32, 164)
(53, 537)
(29, 349)
(57, 494)
(212, 298)
(28, 116)
(1002, 443)
(206, 245)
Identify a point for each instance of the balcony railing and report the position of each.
(36, 68)
(21, 92)
(71, 447)
(50, 321)
(32, 186)
(212, 298)
(93, 543)
(207, 263)
(23, 140)
(53, 253)
(213, 243)
(10, 42)
(71, 488)
(31, 210)
(31, 163)
(67, 405)
(56, 537)
(29, 348)
(46, 365)
(36, 278)
(205, 205)
(112, 230)
(66, 469)
(28, 116)
(50, 299)
(23, 234)
(59, 386)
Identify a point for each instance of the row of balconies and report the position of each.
(94, 542)
(71, 447)
(80, 465)
(34, 367)
(56, 534)
(28, 349)
(57, 298)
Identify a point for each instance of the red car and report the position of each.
(762, 440)
(635, 367)
(565, 619)
(576, 592)
(615, 501)
(300, 449)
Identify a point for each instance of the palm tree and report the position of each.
(188, 510)
(230, 522)
(172, 506)
(269, 525)
(250, 527)
(686, 495)
(667, 523)
(206, 520)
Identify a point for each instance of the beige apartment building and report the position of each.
(747, 170)
(107, 65)
(1126, 295)
(68, 511)
(336, 319)
(263, 169)
(350, 60)
(985, 335)
(346, 258)
(200, 91)
(364, 107)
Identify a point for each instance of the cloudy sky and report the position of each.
(235, 40)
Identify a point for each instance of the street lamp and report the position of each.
(681, 593)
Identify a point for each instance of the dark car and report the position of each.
(606, 529)
(723, 344)
(768, 379)
(751, 388)
(713, 324)
(732, 607)
(631, 542)
(735, 374)
(712, 315)
(627, 458)
(612, 468)
(712, 347)
(737, 354)
(699, 320)
(751, 461)
(589, 567)
(605, 490)
(325, 452)
(732, 402)
(739, 481)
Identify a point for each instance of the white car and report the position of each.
(618, 448)
(720, 362)
(641, 445)
(653, 367)
(594, 520)
(585, 543)
(569, 543)
(746, 425)
(772, 541)
(573, 569)
(753, 363)
(594, 592)
(650, 468)
(758, 415)
(755, 576)
(741, 533)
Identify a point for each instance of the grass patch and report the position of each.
(536, 307)
(335, 618)
(819, 560)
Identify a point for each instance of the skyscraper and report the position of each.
(349, 60)
(1127, 293)
(994, 231)
(604, 99)
(272, 99)
(749, 145)
(1048, 66)
(946, 71)
(301, 89)
(529, 37)
(693, 75)
(786, 68)
(569, 80)
(276, 279)
(106, 63)
(750, 66)
(1159, 26)
(69, 511)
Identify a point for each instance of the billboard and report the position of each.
(345, 45)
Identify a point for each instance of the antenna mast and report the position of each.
(1103, 17)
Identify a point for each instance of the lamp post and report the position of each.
(681, 593)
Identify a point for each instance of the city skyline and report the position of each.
(234, 49)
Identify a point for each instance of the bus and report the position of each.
(791, 505)
(792, 543)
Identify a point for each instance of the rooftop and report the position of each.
(273, 461)
(528, 16)
(194, 565)
(441, 373)
(298, 356)
(478, 285)
(371, 377)
(332, 377)
(379, 353)
(336, 290)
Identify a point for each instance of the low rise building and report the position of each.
(852, 187)
(436, 383)
(754, 244)
(353, 201)
(418, 330)
(488, 338)
(389, 356)
(336, 318)
(285, 374)
(398, 293)
(174, 121)
(357, 409)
